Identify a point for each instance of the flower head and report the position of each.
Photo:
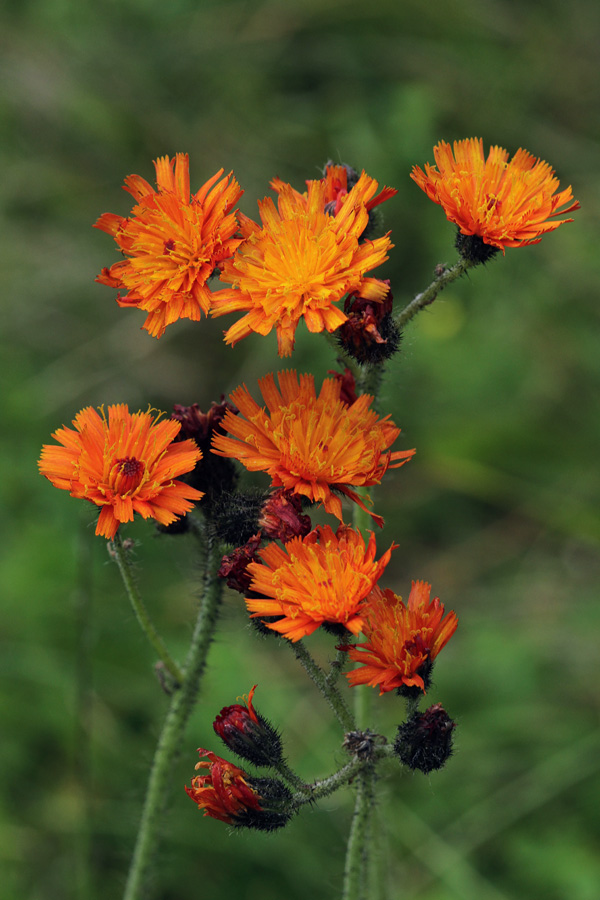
(300, 263)
(172, 242)
(402, 641)
(248, 734)
(319, 579)
(506, 204)
(311, 445)
(227, 793)
(124, 464)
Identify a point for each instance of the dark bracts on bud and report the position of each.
(369, 335)
(248, 734)
(424, 742)
(276, 806)
(472, 248)
(213, 475)
(235, 515)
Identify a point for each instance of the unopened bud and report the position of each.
(248, 734)
(424, 742)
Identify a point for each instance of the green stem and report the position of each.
(336, 667)
(329, 691)
(116, 545)
(325, 786)
(169, 743)
(290, 776)
(428, 296)
(357, 854)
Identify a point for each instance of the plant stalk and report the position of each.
(116, 545)
(169, 743)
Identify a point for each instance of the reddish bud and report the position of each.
(248, 734)
(281, 517)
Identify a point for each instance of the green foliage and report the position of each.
(496, 385)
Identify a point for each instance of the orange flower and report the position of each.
(124, 465)
(301, 262)
(506, 204)
(224, 792)
(321, 578)
(402, 641)
(173, 242)
(311, 445)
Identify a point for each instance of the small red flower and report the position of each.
(223, 791)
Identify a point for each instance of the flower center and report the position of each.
(126, 474)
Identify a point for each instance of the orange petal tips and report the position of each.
(125, 464)
(320, 579)
(301, 262)
(402, 641)
(172, 242)
(505, 203)
(315, 446)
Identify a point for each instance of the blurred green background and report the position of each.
(496, 386)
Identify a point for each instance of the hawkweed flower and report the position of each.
(313, 446)
(321, 579)
(504, 204)
(227, 793)
(402, 640)
(172, 241)
(248, 734)
(126, 463)
(424, 742)
(300, 263)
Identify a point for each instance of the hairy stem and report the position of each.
(429, 294)
(329, 691)
(358, 852)
(169, 743)
(116, 547)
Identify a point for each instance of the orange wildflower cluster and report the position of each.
(313, 446)
(506, 204)
(126, 464)
(318, 579)
(301, 262)
(401, 639)
(173, 242)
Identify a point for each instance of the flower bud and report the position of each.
(214, 475)
(424, 742)
(281, 517)
(369, 335)
(234, 566)
(227, 793)
(248, 734)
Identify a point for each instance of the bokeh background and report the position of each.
(496, 385)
